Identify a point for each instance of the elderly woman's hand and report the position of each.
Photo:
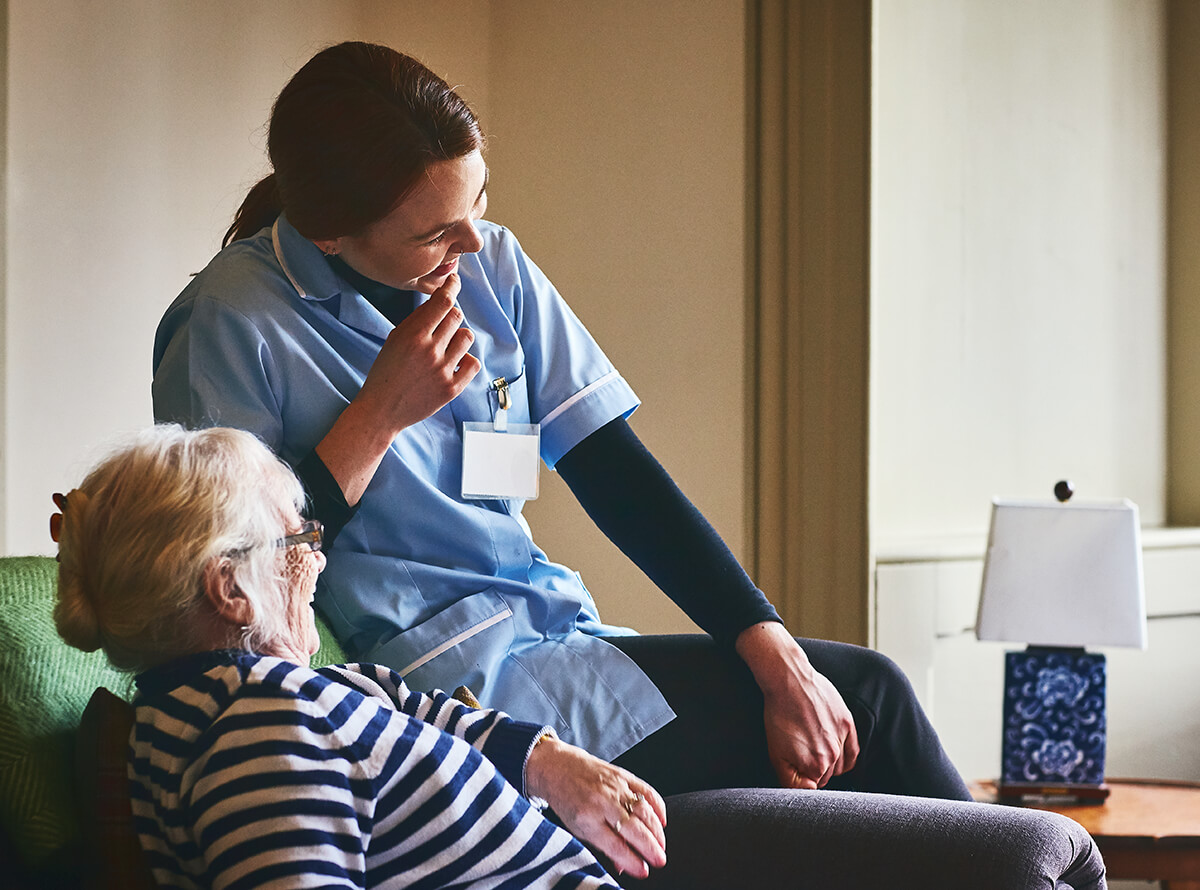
(603, 805)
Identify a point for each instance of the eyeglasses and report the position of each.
(311, 534)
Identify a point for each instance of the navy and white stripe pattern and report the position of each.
(250, 771)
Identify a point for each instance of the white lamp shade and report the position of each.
(1063, 575)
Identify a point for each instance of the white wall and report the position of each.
(1018, 257)
(1018, 337)
(617, 156)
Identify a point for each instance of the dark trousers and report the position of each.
(718, 741)
(902, 838)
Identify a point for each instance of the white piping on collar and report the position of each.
(283, 265)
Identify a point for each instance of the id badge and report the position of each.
(501, 460)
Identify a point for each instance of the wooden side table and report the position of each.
(1147, 830)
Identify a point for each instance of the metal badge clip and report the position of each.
(501, 387)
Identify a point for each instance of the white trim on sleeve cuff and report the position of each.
(579, 396)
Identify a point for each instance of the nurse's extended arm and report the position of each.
(423, 365)
(632, 499)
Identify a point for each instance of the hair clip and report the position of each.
(56, 519)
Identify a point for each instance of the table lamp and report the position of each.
(1059, 577)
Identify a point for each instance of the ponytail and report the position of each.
(260, 208)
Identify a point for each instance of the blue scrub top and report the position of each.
(447, 591)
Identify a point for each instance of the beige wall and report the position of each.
(617, 138)
(135, 127)
(809, 190)
(1183, 263)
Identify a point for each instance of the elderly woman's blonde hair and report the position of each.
(140, 531)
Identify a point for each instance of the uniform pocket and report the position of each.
(462, 645)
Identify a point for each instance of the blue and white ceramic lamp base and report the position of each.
(1054, 723)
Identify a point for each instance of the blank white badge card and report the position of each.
(501, 464)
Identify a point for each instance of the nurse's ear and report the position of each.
(329, 247)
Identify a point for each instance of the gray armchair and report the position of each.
(832, 840)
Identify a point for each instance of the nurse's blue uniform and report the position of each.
(269, 338)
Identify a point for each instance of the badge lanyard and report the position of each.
(501, 459)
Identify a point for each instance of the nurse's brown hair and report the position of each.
(349, 136)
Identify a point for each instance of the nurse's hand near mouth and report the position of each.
(423, 365)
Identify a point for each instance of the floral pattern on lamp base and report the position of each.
(1054, 717)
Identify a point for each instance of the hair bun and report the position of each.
(75, 612)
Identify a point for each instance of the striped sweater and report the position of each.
(251, 771)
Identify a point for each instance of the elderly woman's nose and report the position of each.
(320, 560)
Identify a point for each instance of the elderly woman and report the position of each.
(184, 557)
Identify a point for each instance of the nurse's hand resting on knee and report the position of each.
(608, 808)
(811, 735)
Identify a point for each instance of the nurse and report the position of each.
(414, 365)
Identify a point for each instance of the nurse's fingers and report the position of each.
(451, 326)
(440, 315)
(465, 365)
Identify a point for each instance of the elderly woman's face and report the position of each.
(301, 567)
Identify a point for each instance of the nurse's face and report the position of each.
(417, 245)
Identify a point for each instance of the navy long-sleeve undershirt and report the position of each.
(638, 506)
